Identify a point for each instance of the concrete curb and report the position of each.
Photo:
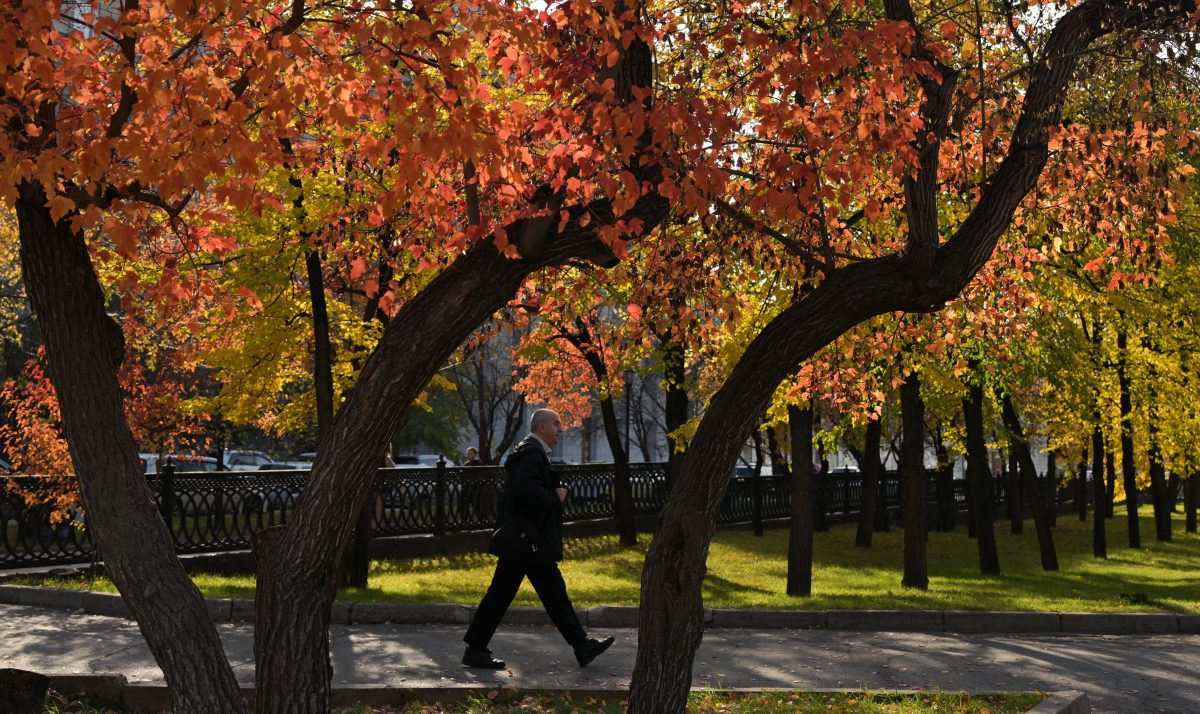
(116, 690)
(602, 616)
(1069, 702)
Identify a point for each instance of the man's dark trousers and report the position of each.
(551, 590)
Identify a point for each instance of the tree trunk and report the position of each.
(912, 484)
(1158, 485)
(675, 401)
(779, 463)
(1158, 490)
(821, 483)
(800, 536)
(870, 468)
(670, 612)
(1191, 489)
(623, 508)
(1128, 467)
(1081, 487)
(1110, 491)
(1020, 447)
(291, 642)
(979, 481)
(1016, 495)
(1049, 490)
(83, 348)
(1099, 513)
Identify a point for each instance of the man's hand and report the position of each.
(562, 493)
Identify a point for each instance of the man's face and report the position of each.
(549, 431)
(471, 453)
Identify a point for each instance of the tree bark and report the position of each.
(979, 481)
(1016, 495)
(623, 507)
(1158, 489)
(1049, 490)
(1128, 467)
(1158, 482)
(1041, 521)
(1099, 513)
(1081, 487)
(675, 400)
(912, 484)
(83, 347)
(870, 468)
(1191, 489)
(800, 536)
(1110, 491)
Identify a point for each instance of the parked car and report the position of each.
(247, 460)
(183, 463)
(418, 461)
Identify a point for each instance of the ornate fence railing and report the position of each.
(209, 512)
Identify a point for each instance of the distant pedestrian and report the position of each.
(534, 496)
(473, 457)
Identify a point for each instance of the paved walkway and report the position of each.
(1120, 673)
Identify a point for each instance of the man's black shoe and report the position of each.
(481, 658)
(591, 649)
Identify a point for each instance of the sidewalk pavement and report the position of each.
(1119, 673)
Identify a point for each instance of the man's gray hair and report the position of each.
(541, 416)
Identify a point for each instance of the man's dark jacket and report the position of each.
(529, 493)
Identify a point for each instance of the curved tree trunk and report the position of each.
(921, 279)
(83, 348)
(800, 536)
(1041, 519)
(979, 482)
(912, 484)
(675, 401)
(871, 469)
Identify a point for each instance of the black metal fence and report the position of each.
(209, 512)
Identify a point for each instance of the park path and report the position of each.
(1120, 673)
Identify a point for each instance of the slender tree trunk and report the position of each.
(912, 484)
(1099, 513)
(83, 348)
(1081, 487)
(870, 468)
(1110, 490)
(1016, 495)
(820, 489)
(979, 482)
(800, 536)
(1191, 489)
(1020, 447)
(1128, 467)
(779, 464)
(623, 508)
(1158, 487)
(1050, 490)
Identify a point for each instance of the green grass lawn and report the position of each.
(745, 571)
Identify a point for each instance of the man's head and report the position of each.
(472, 453)
(545, 425)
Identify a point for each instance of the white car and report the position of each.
(247, 460)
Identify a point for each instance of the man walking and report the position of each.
(532, 492)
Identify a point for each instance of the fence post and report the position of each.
(166, 492)
(439, 498)
(846, 494)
